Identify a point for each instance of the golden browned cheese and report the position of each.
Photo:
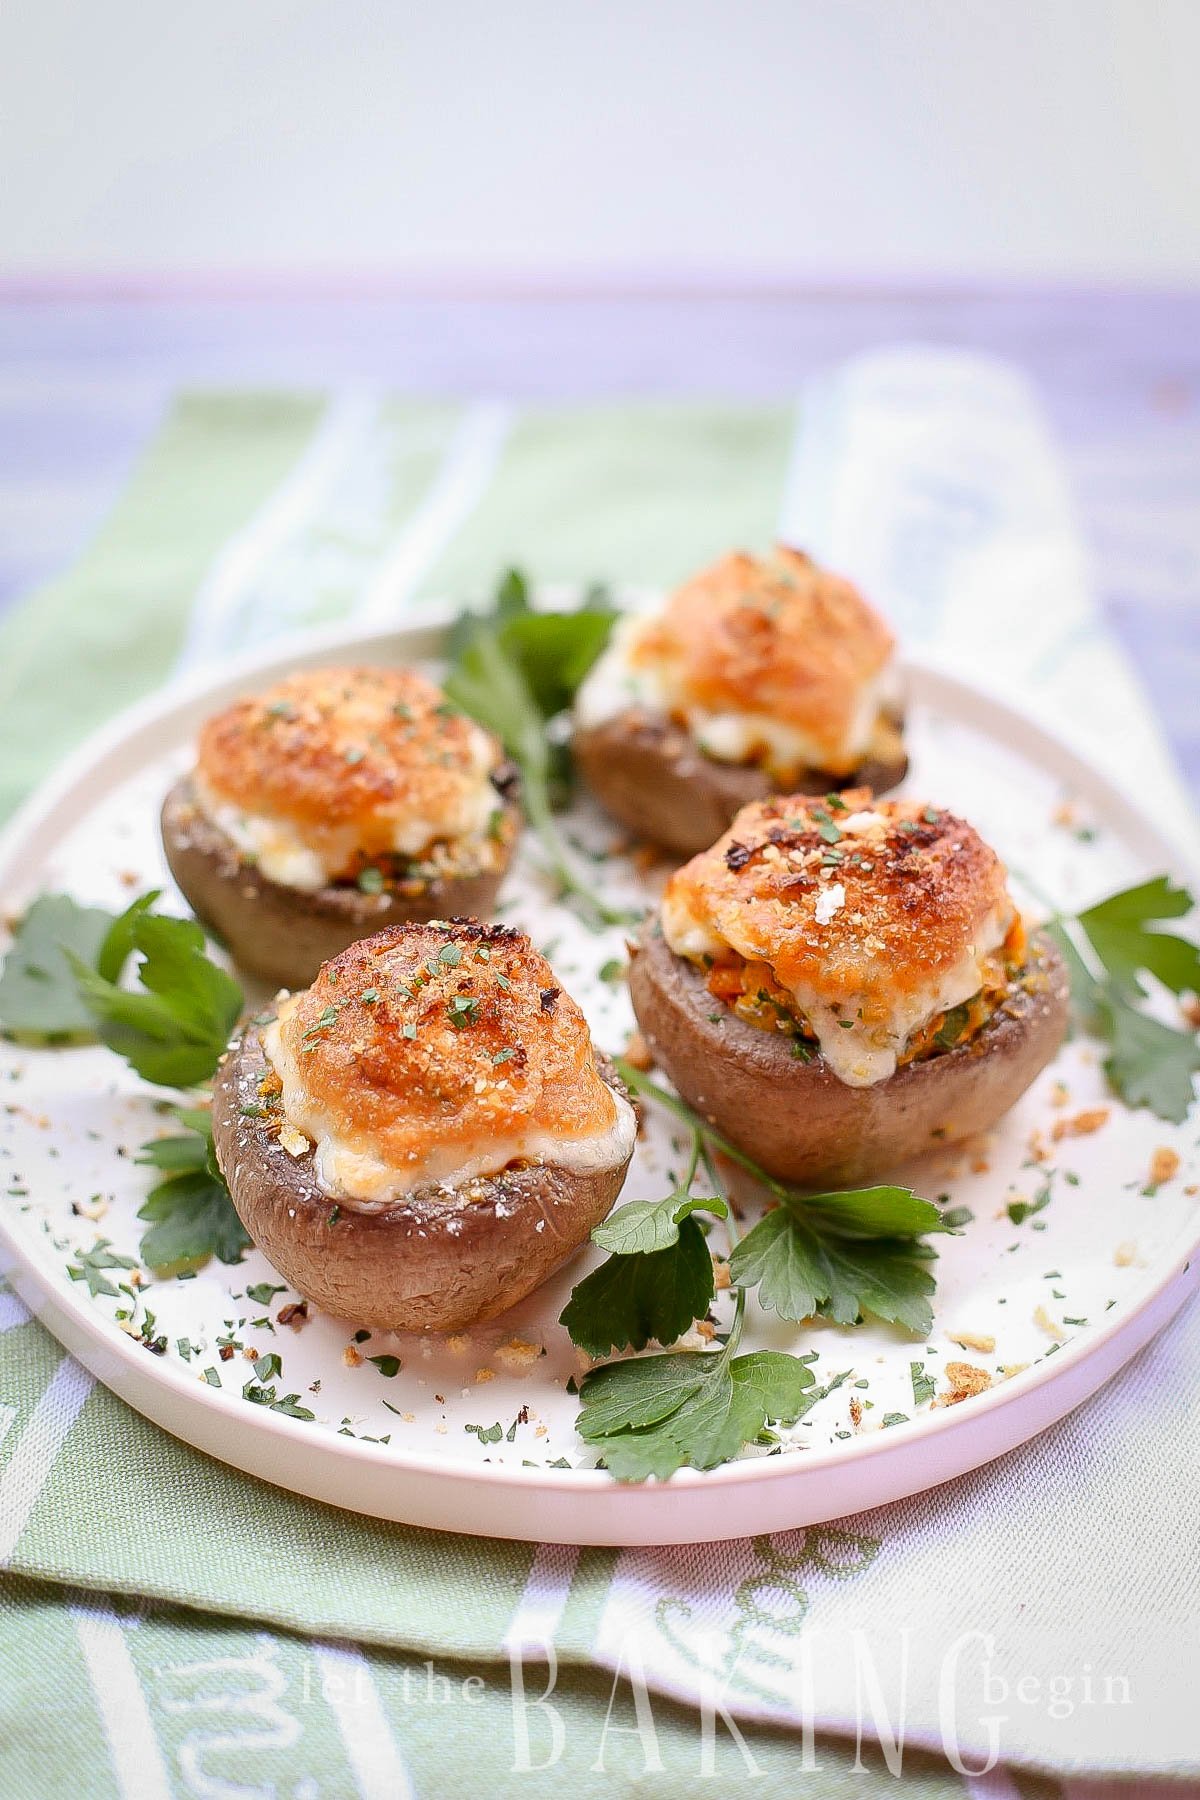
(774, 635)
(859, 904)
(347, 754)
(454, 1035)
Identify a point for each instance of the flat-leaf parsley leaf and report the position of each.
(38, 993)
(191, 1214)
(175, 1029)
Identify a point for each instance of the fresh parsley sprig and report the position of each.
(174, 1030)
(62, 975)
(62, 981)
(658, 1277)
(655, 1414)
(191, 1215)
(839, 1254)
(812, 1255)
(1109, 949)
(516, 670)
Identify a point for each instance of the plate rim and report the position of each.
(931, 681)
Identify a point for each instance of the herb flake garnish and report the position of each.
(462, 1009)
(924, 1387)
(93, 1266)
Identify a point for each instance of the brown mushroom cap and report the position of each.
(797, 1119)
(282, 934)
(441, 1259)
(655, 779)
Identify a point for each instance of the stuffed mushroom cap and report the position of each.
(841, 982)
(762, 674)
(334, 803)
(436, 1095)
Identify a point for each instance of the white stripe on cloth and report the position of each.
(13, 1312)
(931, 478)
(137, 1761)
(213, 625)
(37, 1450)
(461, 482)
(379, 1769)
(7, 1415)
(543, 1600)
(995, 1785)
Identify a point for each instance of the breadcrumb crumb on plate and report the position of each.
(1083, 1124)
(1164, 1165)
(965, 1380)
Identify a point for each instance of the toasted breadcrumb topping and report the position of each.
(425, 1046)
(773, 635)
(357, 764)
(890, 920)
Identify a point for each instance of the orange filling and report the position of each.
(750, 989)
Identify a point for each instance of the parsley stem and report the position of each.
(536, 799)
(731, 1226)
(739, 1317)
(639, 1083)
(685, 1186)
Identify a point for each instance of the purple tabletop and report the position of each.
(84, 381)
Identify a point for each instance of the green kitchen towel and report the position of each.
(144, 1702)
(258, 514)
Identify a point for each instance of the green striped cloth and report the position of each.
(171, 1627)
(254, 514)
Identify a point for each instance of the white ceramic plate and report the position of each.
(476, 1433)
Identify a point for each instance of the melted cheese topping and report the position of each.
(769, 660)
(873, 920)
(331, 769)
(439, 1054)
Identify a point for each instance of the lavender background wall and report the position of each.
(800, 140)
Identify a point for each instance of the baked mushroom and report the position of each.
(762, 675)
(840, 984)
(335, 803)
(420, 1137)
